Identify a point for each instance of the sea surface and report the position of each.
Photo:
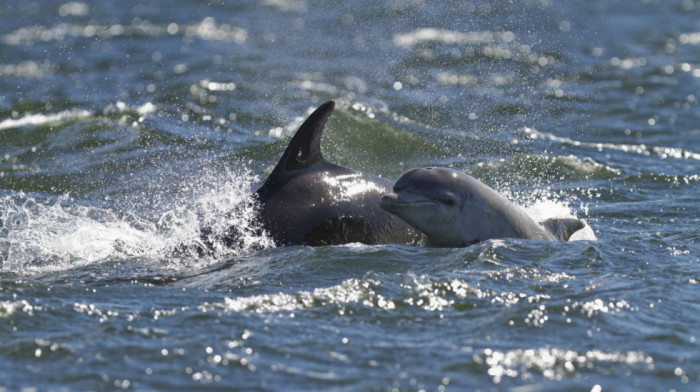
(125, 126)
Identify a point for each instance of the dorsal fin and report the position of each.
(305, 148)
(304, 151)
(563, 228)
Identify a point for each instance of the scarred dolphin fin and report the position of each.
(305, 148)
(303, 152)
(563, 228)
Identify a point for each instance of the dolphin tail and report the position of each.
(563, 228)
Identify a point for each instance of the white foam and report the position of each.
(35, 119)
(146, 108)
(428, 34)
(206, 29)
(287, 5)
(48, 235)
(26, 69)
(74, 8)
(544, 208)
(60, 234)
(641, 149)
(39, 119)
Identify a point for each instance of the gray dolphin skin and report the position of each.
(307, 200)
(453, 209)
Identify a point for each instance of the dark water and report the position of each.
(125, 126)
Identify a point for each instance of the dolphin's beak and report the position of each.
(389, 202)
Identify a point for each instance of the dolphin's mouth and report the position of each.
(392, 201)
(390, 198)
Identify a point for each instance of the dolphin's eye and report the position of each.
(449, 199)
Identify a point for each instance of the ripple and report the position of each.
(207, 29)
(641, 149)
(555, 363)
(408, 292)
(418, 36)
(41, 119)
(26, 69)
(9, 308)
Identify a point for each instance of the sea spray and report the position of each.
(39, 233)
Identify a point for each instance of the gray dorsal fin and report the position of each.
(305, 148)
(563, 228)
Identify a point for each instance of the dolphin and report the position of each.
(307, 200)
(453, 209)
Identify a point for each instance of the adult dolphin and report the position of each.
(453, 209)
(307, 200)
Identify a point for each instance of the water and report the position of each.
(125, 126)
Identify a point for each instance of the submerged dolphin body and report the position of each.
(453, 209)
(307, 200)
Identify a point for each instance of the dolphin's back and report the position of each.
(307, 200)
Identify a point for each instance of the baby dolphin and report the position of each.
(453, 209)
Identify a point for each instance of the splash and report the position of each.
(547, 208)
(543, 204)
(221, 204)
(42, 234)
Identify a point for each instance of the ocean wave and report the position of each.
(207, 29)
(27, 69)
(373, 291)
(41, 119)
(38, 119)
(9, 308)
(427, 34)
(641, 149)
(546, 168)
(468, 52)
